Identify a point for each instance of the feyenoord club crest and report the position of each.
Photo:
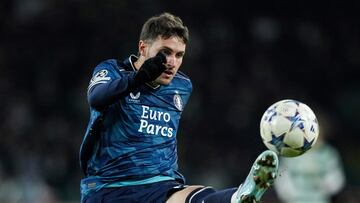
(178, 102)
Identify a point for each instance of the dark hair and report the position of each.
(164, 25)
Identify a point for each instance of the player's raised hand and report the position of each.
(151, 69)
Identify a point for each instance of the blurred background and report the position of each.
(241, 58)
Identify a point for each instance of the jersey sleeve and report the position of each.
(108, 84)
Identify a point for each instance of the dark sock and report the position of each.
(222, 196)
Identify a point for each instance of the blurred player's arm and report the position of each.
(284, 185)
(334, 179)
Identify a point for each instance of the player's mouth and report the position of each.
(168, 72)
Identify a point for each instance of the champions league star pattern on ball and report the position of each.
(289, 128)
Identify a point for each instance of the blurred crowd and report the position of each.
(240, 59)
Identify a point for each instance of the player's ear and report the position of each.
(142, 48)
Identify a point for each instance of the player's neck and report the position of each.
(138, 63)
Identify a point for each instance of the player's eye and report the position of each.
(179, 55)
(166, 52)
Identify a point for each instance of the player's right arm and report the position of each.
(107, 85)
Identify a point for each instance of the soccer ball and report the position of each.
(289, 128)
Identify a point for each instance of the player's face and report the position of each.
(174, 49)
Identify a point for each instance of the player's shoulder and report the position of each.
(105, 67)
(109, 64)
(182, 76)
(183, 79)
(115, 66)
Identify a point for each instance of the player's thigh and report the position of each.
(180, 196)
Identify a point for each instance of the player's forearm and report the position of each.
(103, 95)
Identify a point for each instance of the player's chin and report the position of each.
(164, 80)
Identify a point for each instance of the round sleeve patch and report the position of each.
(99, 78)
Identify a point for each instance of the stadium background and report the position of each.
(241, 59)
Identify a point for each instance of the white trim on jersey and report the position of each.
(95, 83)
(131, 62)
(197, 192)
(99, 77)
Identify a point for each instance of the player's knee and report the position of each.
(181, 195)
(198, 195)
(191, 194)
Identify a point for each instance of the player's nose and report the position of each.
(171, 59)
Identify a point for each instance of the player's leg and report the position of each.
(186, 193)
(200, 194)
(261, 177)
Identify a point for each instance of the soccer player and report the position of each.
(319, 180)
(129, 151)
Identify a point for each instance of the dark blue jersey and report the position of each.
(131, 135)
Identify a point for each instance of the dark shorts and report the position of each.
(150, 193)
